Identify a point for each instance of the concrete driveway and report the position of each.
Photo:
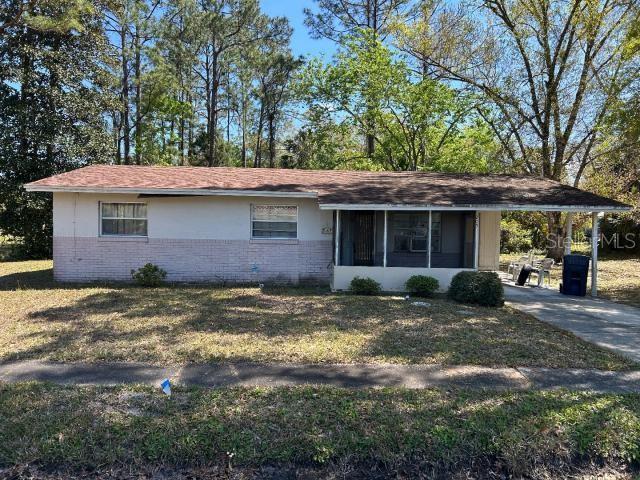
(605, 323)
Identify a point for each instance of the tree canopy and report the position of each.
(542, 87)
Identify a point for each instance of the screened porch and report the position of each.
(391, 245)
(413, 239)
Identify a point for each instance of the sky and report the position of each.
(301, 42)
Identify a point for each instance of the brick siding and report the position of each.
(229, 261)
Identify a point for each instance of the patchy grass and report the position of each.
(618, 276)
(523, 431)
(178, 324)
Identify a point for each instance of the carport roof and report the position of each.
(336, 189)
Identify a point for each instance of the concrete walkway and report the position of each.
(353, 376)
(607, 324)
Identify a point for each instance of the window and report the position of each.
(123, 219)
(274, 221)
(436, 231)
(410, 232)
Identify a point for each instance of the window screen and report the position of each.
(123, 219)
(409, 232)
(274, 221)
(436, 232)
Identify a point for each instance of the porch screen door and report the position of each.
(363, 238)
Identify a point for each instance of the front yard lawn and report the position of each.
(40, 319)
(409, 432)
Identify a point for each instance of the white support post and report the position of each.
(476, 241)
(595, 234)
(337, 252)
(384, 242)
(569, 237)
(429, 242)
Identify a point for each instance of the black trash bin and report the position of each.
(575, 269)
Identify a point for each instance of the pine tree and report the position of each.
(51, 108)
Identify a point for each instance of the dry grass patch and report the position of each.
(178, 324)
(520, 432)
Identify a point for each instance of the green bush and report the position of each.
(364, 286)
(514, 238)
(483, 288)
(422, 285)
(621, 232)
(149, 276)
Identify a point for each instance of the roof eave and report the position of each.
(479, 207)
(35, 187)
(200, 192)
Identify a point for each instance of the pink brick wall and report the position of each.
(300, 261)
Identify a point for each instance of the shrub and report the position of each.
(422, 285)
(623, 230)
(364, 286)
(483, 288)
(514, 238)
(149, 276)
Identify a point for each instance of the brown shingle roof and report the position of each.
(337, 187)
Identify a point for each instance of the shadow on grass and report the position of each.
(35, 279)
(42, 279)
(195, 324)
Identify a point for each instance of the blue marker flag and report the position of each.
(166, 387)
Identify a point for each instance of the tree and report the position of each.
(220, 28)
(340, 21)
(551, 69)
(323, 143)
(51, 108)
(27, 12)
(130, 24)
(275, 69)
(417, 118)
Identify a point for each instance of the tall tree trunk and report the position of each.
(138, 74)
(244, 138)
(272, 140)
(209, 108)
(54, 85)
(371, 144)
(229, 107)
(372, 21)
(182, 124)
(182, 95)
(243, 125)
(117, 130)
(25, 87)
(190, 131)
(215, 85)
(555, 236)
(258, 156)
(126, 133)
(257, 162)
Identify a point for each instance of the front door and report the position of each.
(363, 238)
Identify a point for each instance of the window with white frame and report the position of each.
(129, 219)
(274, 221)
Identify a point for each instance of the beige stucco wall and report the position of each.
(215, 218)
(489, 245)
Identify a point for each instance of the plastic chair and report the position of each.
(543, 270)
